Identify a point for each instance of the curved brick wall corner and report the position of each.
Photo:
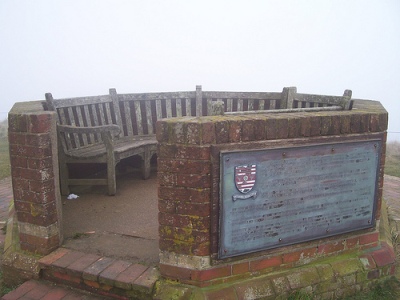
(188, 172)
(34, 168)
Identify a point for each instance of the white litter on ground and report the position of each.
(72, 196)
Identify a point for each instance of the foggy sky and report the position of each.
(77, 48)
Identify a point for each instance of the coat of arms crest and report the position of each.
(245, 177)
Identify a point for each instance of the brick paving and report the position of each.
(119, 272)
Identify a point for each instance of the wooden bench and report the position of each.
(108, 128)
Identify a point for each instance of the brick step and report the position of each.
(99, 275)
(41, 289)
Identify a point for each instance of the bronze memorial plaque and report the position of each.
(275, 197)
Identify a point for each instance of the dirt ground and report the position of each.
(122, 226)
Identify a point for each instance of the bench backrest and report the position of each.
(84, 112)
(137, 113)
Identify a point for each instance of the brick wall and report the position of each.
(34, 168)
(188, 172)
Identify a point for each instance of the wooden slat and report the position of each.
(168, 108)
(149, 118)
(178, 105)
(250, 104)
(128, 119)
(138, 114)
(89, 122)
(158, 109)
(73, 136)
(240, 104)
(95, 120)
(81, 118)
(261, 104)
(242, 95)
(229, 104)
(108, 113)
(102, 114)
(272, 104)
(188, 106)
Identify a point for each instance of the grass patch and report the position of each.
(392, 163)
(5, 169)
(387, 290)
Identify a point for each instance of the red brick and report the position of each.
(167, 151)
(208, 133)
(193, 181)
(384, 256)
(282, 127)
(17, 138)
(315, 125)
(222, 131)
(40, 244)
(40, 123)
(297, 255)
(368, 261)
(335, 124)
(193, 152)
(38, 292)
(325, 128)
(194, 209)
(201, 249)
(68, 259)
(167, 206)
(270, 128)
(174, 220)
(82, 263)
(21, 290)
(248, 130)
(374, 274)
(294, 127)
(41, 220)
(40, 163)
(166, 179)
(205, 275)
(52, 257)
(199, 167)
(369, 238)
(240, 268)
(383, 122)
(64, 277)
(364, 123)
(174, 272)
(352, 242)
(355, 123)
(235, 131)
(19, 161)
(331, 247)
(184, 194)
(193, 134)
(221, 294)
(305, 126)
(258, 265)
(109, 275)
(92, 272)
(39, 140)
(17, 123)
(345, 124)
(125, 279)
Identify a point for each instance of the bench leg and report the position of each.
(64, 176)
(111, 180)
(146, 167)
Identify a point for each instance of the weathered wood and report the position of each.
(108, 128)
(199, 101)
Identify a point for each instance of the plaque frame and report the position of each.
(233, 244)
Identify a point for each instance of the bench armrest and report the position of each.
(114, 129)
